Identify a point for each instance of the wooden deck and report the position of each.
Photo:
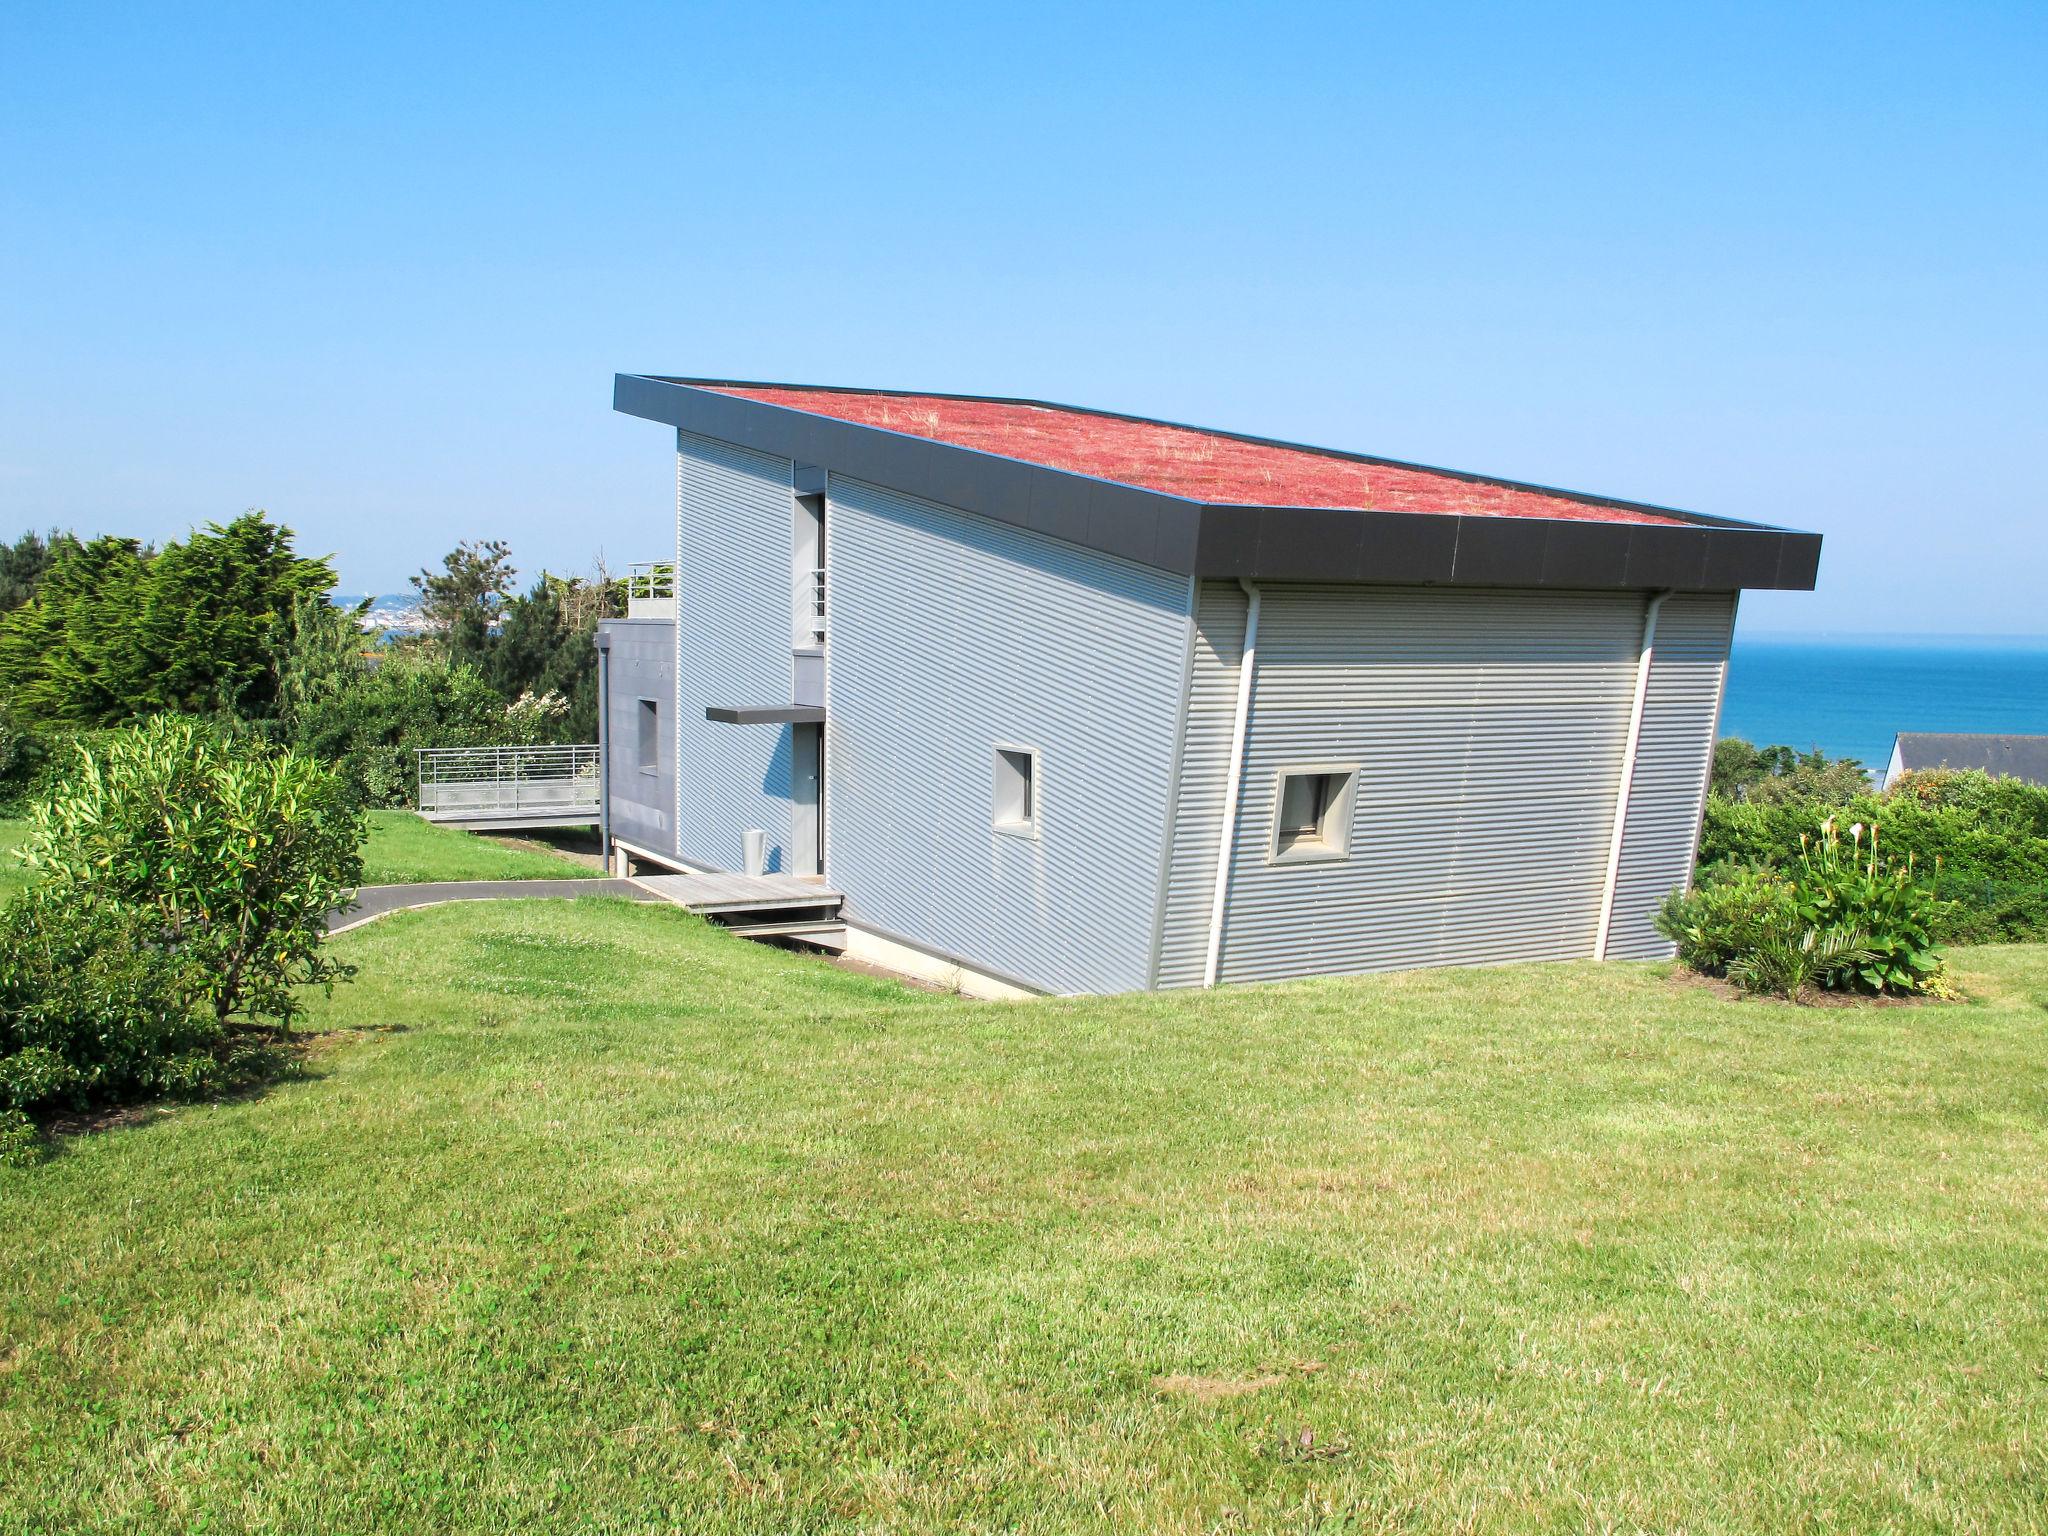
(718, 894)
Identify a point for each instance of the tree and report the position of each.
(464, 598)
(116, 630)
(69, 655)
(1777, 775)
(217, 612)
(23, 562)
(545, 647)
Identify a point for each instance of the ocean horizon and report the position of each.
(1849, 695)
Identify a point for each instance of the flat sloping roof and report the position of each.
(1212, 467)
(1214, 504)
(2010, 757)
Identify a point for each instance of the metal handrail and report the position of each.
(651, 578)
(508, 781)
(807, 602)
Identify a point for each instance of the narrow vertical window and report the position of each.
(650, 736)
(1016, 790)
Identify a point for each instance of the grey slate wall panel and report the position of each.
(642, 667)
(733, 511)
(949, 634)
(1488, 729)
(1204, 769)
(1681, 712)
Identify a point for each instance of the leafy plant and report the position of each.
(95, 1010)
(1787, 960)
(1843, 886)
(1726, 916)
(232, 852)
(1843, 917)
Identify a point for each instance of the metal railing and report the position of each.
(651, 589)
(807, 602)
(482, 782)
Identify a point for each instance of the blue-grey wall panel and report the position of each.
(949, 634)
(1204, 768)
(733, 541)
(642, 667)
(1487, 729)
(1667, 795)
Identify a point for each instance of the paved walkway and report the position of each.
(375, 901)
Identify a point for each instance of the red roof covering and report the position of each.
(1184, 461)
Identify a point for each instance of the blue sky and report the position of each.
(372, 267)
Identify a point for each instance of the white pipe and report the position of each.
(1628, 773)
(1226, 840)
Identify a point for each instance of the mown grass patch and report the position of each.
(403, 849)
(609, 1221)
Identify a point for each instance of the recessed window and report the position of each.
(1016, 800)
(1312, 812)
(649, 743)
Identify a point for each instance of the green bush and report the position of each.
(232, 852)
(1844, 917)
(1725, 916)
(1978, 840)
(94, 1011)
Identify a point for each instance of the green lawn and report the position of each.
(403, 849)
(603, 1220)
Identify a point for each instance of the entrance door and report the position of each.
(807, 800)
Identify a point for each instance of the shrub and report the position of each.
(369, 715)
(1725, 916)
(1844, 917)
(94, 1011)
(232, 852)
(1971, 834)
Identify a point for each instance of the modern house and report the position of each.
(2003, 757)
(1060, 700)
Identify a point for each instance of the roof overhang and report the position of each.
(1692, 553)
(765, 714)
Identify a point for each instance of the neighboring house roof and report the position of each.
(2009, 757)
(1222, 504)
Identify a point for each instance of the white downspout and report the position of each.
(1226, 839)
(1628, 773)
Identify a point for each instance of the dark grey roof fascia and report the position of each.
(1267, 543)
(2011, 756)
(765, 714)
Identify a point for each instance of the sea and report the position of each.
(1849, 695)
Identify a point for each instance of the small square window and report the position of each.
(1312, 812)
(1016, 790)
(650, 736)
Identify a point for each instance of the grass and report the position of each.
(403, 849)
(597, 1219)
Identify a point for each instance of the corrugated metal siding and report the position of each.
(1680, 714)
(733, 512)
(949, 634)
(1488, 727)
(1204, 769)
(642, 666)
